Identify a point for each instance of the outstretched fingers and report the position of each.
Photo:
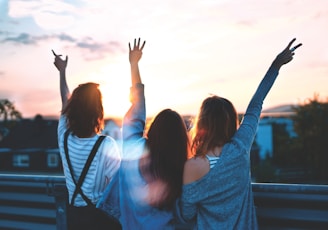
(287, 54)
(295, 47)
(136, 45)
(143, 45)
(291, 43)
(56, 55)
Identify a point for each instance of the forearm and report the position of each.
(266, 84)
(184, 213)
(64, 91)
(247, 130)
(135, 74)
(135, 118)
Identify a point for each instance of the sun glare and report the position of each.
(115, 83)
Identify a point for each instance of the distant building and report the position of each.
(32, 146)
(264, 139)
(113, 129)
(32, 143)
(264, 135)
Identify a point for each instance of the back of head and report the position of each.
(84, 110)
(168, 144)
(216, 123)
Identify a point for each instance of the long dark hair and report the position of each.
(216, 123)
(84, 110)
(168, 148)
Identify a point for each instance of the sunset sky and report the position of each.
(193, 49)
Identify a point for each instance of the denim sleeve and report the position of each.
(110, 200)
(134, 119)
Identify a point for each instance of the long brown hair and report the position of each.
(84, 110)
(168, 148)
(216, 123)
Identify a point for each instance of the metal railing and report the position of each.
(291, 206)
(32, 202)
(39, 202)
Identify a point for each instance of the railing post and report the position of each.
(59, 191)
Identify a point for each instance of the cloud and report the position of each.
(47, 15)
(91, 49)
(65, 37)
(96, 50)
(28, 39)
(22, 38)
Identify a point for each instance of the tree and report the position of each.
(8, 115)
(8, 111)
(311, 126)
(287, 149)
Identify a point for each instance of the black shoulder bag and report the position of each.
(87, 217)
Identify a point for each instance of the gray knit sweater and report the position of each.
(223, 198)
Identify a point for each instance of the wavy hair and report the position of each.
(215, 125)
(84, 110)
(168, 147)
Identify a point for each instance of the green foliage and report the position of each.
(264, 172)
(8, 111)
(287, 150)
(311, 126)
(8, 114)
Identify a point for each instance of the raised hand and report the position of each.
(135, 54)
(60, 63)
(61, 66)
(286, 55)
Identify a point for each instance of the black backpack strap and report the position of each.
(85, 169)
(67, 157)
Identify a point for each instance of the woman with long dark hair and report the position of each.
(217, 191)
(150, 177)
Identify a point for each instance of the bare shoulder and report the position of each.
(194, 169)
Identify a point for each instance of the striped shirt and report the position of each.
(212, 160)
(104, 165)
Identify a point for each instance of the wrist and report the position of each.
(134, 64)
(276, 64)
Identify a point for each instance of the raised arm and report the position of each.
(248, 127)
(135, 55)
(281, 59)
(61, 66)
(134, 119)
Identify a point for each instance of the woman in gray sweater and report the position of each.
(217, 192)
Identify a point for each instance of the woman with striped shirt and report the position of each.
(82, 113)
